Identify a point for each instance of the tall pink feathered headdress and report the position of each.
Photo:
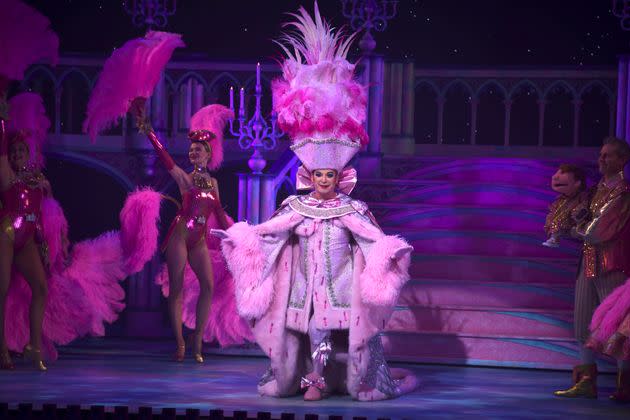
(25, 38)
(28, 122)
(207, 125)
(132, 71)
(319, 104)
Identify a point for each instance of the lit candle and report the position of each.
(241, 110)
(257, 74)
(232, 98)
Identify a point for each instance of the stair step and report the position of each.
(420, 216)
(524, 323)
(553, 271)
(481, 350)
(455, 193)
(499, 296)
(490, 243)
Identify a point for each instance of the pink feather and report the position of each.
(27, 114)
(318, 96)
(25, 38)
(213, 118)
(139, 231)
(611, 312)
(131, 71)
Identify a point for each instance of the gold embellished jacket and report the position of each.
(565, 213)
(607, 234)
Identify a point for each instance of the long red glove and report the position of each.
(166, 159)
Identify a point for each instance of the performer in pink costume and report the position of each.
(319, 280)
(193, 263)
(48, 295)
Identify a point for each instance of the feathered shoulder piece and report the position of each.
(317, 96)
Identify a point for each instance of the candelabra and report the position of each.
(369, 15)
(621, 9)
(150, 13)
(256, 133)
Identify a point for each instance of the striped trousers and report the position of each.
(588, 294)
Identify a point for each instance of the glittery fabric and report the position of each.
(563, 213)
(267, 377)
(607, 234)
(378, 375)
(302, 206)
(21, 212)
(197, 206)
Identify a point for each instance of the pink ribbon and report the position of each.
(347, 179)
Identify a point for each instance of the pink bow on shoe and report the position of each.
(319, 383)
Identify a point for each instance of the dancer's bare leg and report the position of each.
(29, 262)
(200, 262)
(176, 255)
(6, 259)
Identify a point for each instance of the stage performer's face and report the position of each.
(610, 160)
(565, 183)
(325, 182)
(198, 154)
(18, 155)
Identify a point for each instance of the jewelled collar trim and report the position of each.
(324, 141)
(321, 213)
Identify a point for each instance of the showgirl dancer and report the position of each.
(319, 280)
(190, 291)
(48, 295)
(193, 263)
(188, 251)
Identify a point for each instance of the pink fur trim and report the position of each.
(139, 232)
(386, 271)
(246, 261)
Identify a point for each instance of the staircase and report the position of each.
(483, 289)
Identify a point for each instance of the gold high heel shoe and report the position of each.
(180, 353)
(5, 360)
(199, 358)
(35, 356)
(197, 354)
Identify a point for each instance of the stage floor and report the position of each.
(114, 372)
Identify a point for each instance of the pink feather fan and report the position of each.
(27, 118)
(213, 118)
(132, 71)
(25, 38)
